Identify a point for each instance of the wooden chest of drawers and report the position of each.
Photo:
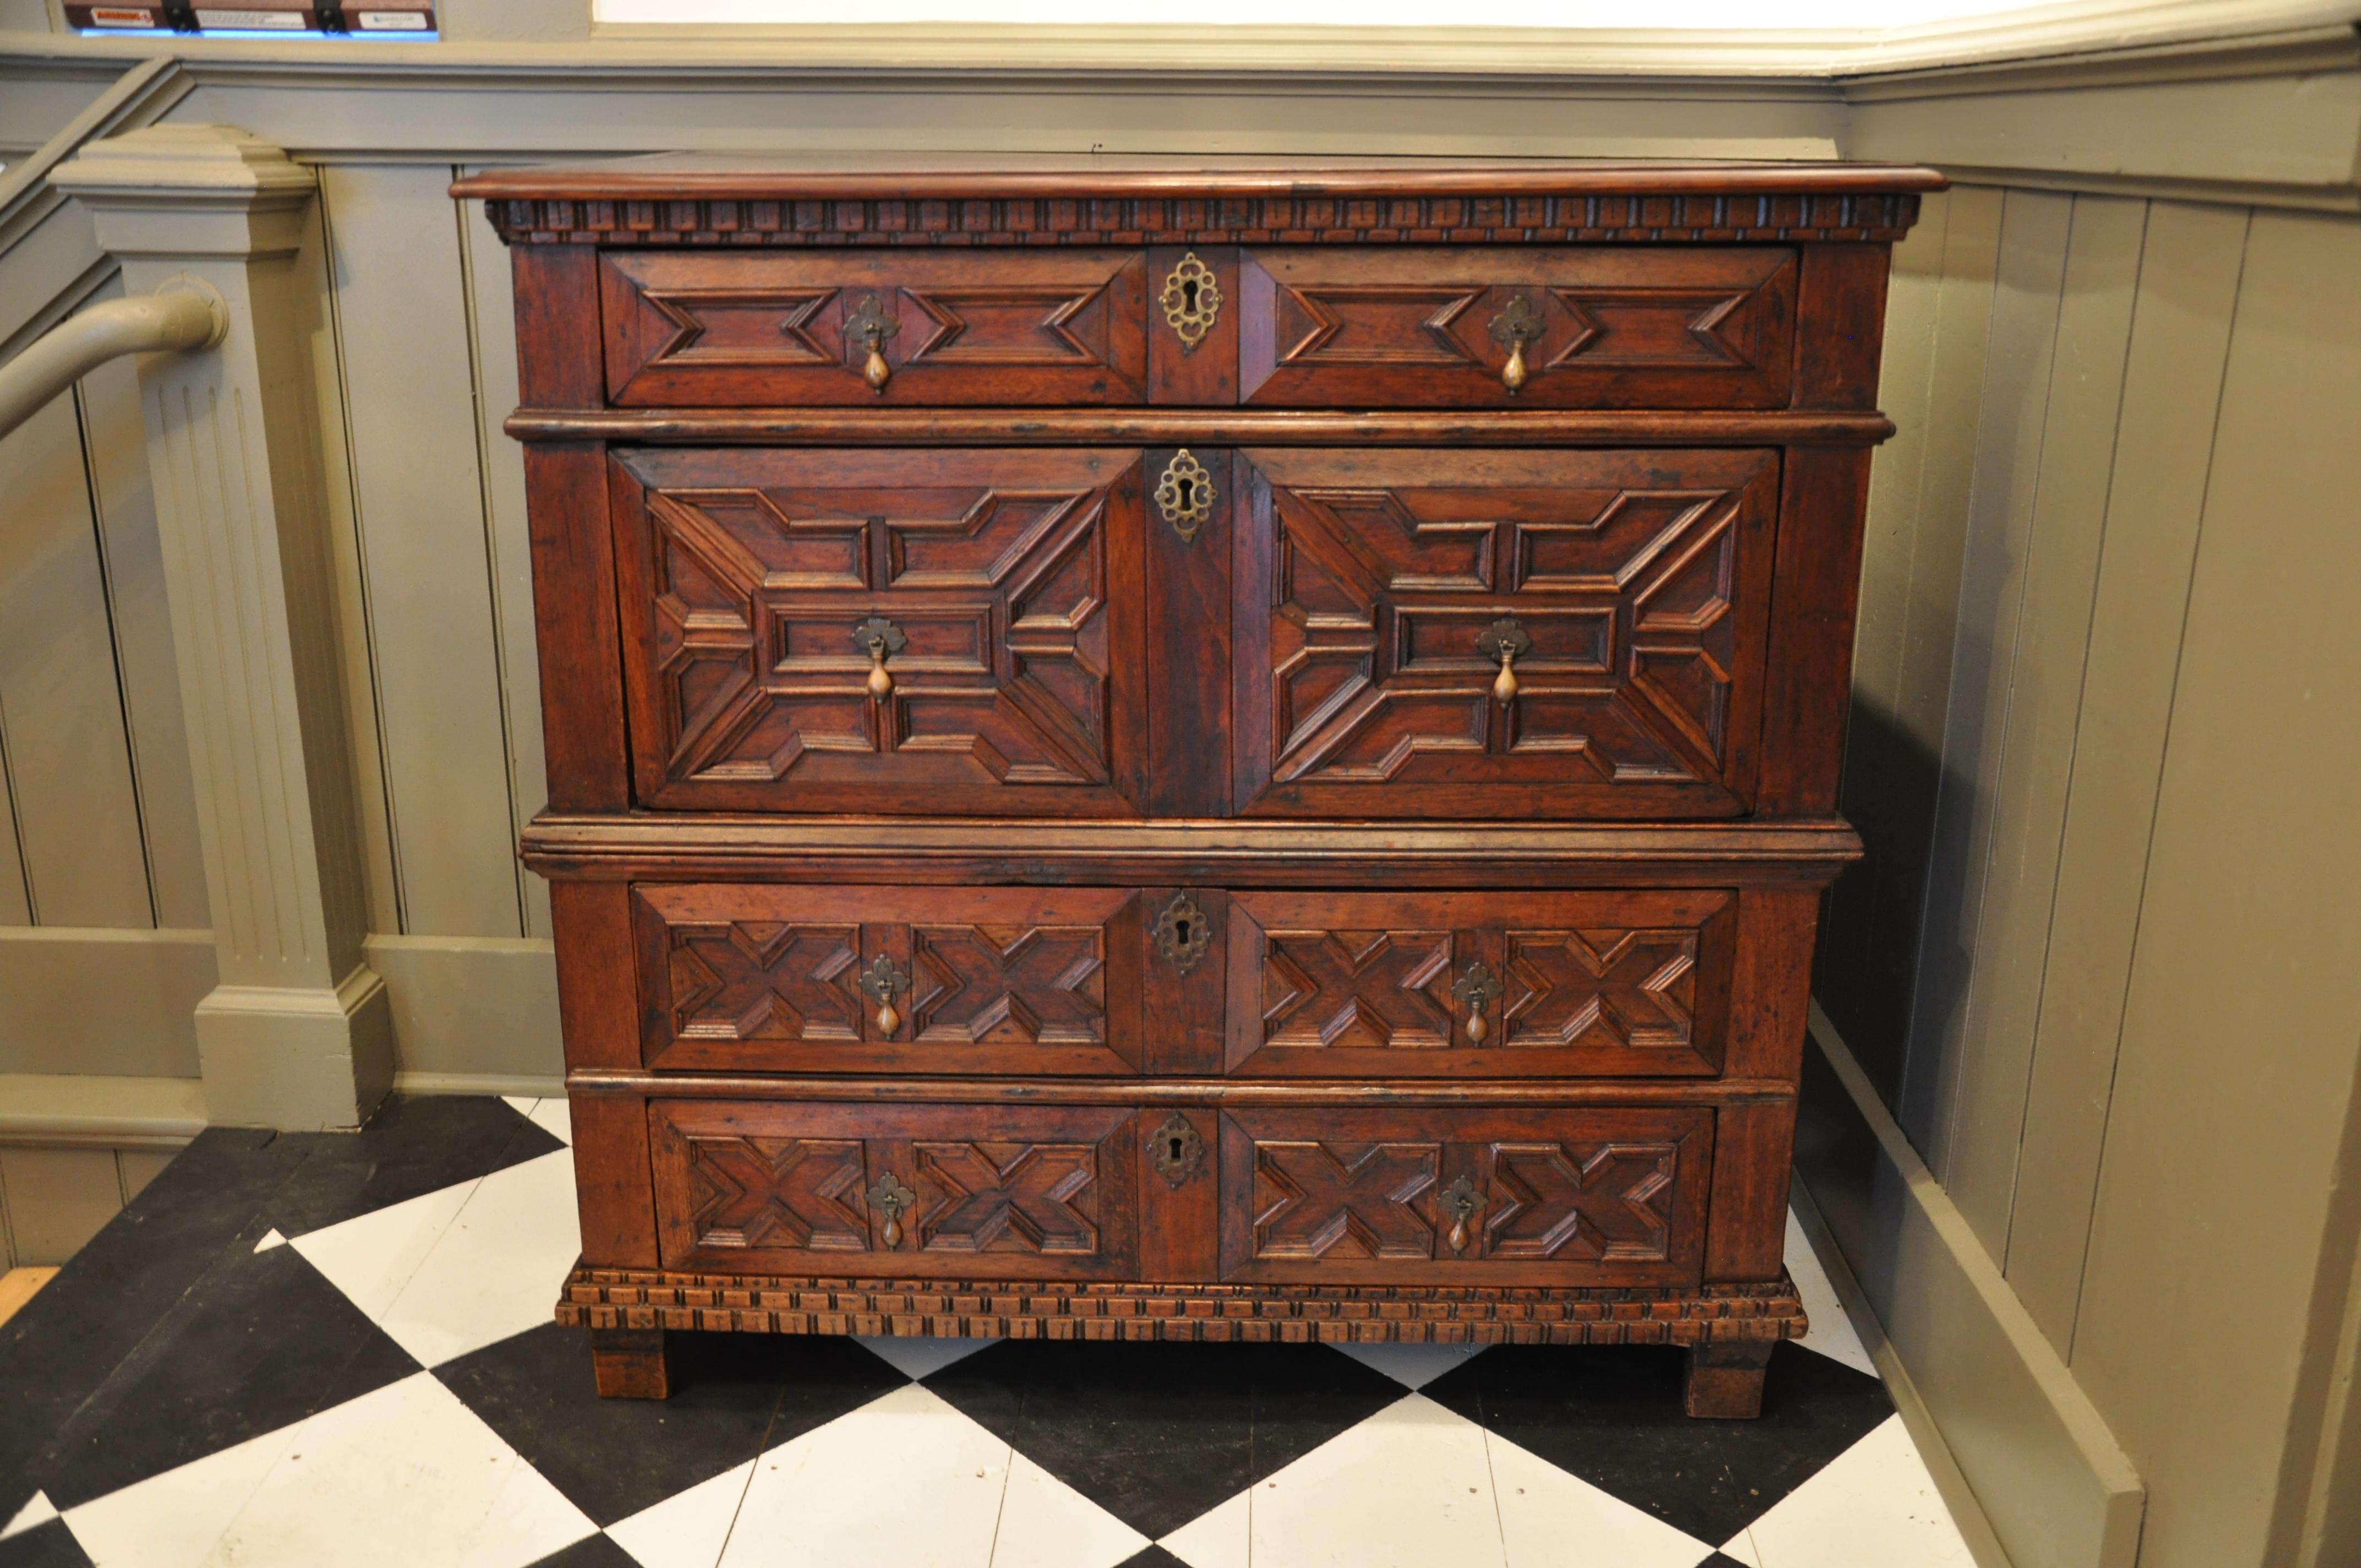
(1141, 751)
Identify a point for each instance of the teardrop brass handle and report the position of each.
(1462, 1202)
(1517, 325)
(1478, 988)
(882, 981)
(871, 326)
(893, 1200)
(1504, 641)
(881, 639)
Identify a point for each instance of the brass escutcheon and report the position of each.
(1185, 495)
(1176, 1149)
(871, 326)
(1504, 641)
(881, 639)
(893, 1199)
(1182, 933)
(1517, 325)
(1478, 988)
(882, 981)
(1461, 1201)
(1191, 302)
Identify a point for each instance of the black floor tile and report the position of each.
(736, 1395)
(1721, 1560)
(259, 1342)
(410, 1147)
(1151, 1556)
(1156, 1434)
(1612, 1416)
(58, 1350)
(51, 1546)
(590, 1552)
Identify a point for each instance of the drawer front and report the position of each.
(1623, 326)
(1373, 590)
(1474, 1196)
(990, 1192)
(686, 329)
(1401, 985)
(882, 631)
(764, 978)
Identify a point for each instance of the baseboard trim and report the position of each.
(2048, 1480)
(523, 1088)
(40, 1110)
(469, 1009)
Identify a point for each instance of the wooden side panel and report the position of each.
(1822, 495)
(573, 612)
(1013, 1191)
(1844, 289)
(1753, 1156)
(765, 979)
(598, 989)
(1493, 1196)
(613, 1180)
(1770, 982)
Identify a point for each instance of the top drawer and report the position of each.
(1277, 326)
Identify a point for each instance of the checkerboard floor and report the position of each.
(337, 1349)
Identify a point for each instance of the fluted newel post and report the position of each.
(298, 1034)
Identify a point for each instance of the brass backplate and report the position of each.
(1183, 934)
(1176, 1149)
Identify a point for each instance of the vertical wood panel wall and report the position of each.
(2103, 960)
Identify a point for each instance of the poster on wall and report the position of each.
(253, 16)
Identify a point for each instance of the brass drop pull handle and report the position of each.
(1462, 1202)
(882, 981)
(1504, 642)
(870, 325)
(1517, 325)
(881, 639)
(1478, 988)
(893, 1200)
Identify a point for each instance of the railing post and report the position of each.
(298, 1034)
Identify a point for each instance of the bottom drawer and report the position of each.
(1301, 1192)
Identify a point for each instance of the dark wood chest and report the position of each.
(1144, 751)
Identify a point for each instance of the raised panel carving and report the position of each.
(1312, 1198)
(1010, 326)
(756, 690)
(787, 1192)
(1007, 1197)
(1630, 989)
(1365, 989)
(999, 984)
(1556, 1201)
(1635, 597)
(758, 981)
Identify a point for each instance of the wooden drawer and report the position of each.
(990, 1192)
(1425, 326)
(1008, 583)
(765, 979)
(1407, 985)
(688, 329)
(1584, 1195)
(1371, 588)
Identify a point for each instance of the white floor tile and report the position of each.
(916, 1357)
(1412, 1365)
(1876, 1503)
(497, 1269)
(555, 1116)
(1216, 1540)
(1741, 1547)
(405, 1475)
(905, 1480)
(37, 1512)
(271, 1240)
(1410, 1487)
(689, 1528)
(1552, 1519)
(522, 1104)
(1832, 1333)
(1044, 1523)
(372, 1256)
(175, 1520)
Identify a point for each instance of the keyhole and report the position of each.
(1189, 295)
(1187, 494)
(1181, 932)
(1174, 1150)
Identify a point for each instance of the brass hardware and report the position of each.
(1185, 495)
(881, 639)
(1461, 1201)
(894, 1200)
(1517, 325)
(1478, 988)
(1506, 641)
(1191, 302)
(870, 325)
(882, 981)
(1176, 1149)
(1182, 933)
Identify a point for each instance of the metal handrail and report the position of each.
(183, 314)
